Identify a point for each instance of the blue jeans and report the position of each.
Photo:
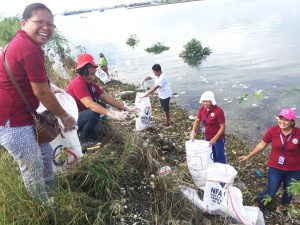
(87, 122)
(219, 152)
(35, 161)
(275, 178)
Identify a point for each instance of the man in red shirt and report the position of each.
(87, 95)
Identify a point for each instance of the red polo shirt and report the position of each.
(26, 60)
(78, 89)
(211, 120)
(291, 151)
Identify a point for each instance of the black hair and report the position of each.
(156, 67)
(27, 13)
(83, 71)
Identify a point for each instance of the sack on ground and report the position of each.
(143, 118)
(199, 156)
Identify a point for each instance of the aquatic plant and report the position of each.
(243, 98)
(194, 54)
(132, 41)
(157, 48)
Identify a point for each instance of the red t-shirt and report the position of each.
(78, 89)
(26, 60)
(211, 120)
(291, 151)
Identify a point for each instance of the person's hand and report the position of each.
(212, 141)
(145, 95)
(133, 110)
(118, 115)
(68, 122)
(192, 135)
(243, 158)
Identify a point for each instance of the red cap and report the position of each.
(84, 59)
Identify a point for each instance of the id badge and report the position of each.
(203, 130)
(281, 160)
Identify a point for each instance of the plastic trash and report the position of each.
(258, 174)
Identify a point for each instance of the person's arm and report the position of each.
(44, 94)
(218, 134)
(194, 129)
(146, 78)
(151, 91)
(94, 106)
(259, 148)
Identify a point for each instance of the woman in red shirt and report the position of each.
(213, 125)
(284, 160)
(26, 61)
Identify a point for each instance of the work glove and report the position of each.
(118, 115)
(133, 110)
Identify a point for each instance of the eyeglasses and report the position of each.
(43, 23)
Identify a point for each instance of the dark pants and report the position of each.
(165, 104)
(87, 122)
(218, 151)
(275, 178)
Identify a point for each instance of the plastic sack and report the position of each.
(199, 156)
(102, 75)
(66, 147)
(143, 105)
(222, 198)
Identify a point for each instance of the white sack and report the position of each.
(143, 118)
(221, 198)
(102, 75)
(66, 147)
(199, 156)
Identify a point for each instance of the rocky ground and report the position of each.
(170, 142)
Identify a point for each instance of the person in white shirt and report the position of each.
(162, 86)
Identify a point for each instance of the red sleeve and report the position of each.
(267, 137)
(199, 113)
(220, 116)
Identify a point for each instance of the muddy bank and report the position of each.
(169, 142)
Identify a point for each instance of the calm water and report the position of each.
(255, 47)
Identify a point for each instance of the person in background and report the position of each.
(162, 86)
(103, 63)
(284, 159)
(212, 119)
(86, 94)
(26, 61)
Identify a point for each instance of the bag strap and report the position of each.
(15, 83)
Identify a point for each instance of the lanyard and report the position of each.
(284, 143)
(206, 115)
(92, 91)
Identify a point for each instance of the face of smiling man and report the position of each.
(39, 27)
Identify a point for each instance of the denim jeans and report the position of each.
(35, 161)
(87, 122)
(219, 152)
(275, 178)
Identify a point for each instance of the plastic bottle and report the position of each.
(258, 174)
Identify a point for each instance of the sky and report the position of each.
(14, 7)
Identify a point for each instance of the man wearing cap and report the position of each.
(213, 125)
(284, 160)
(87, 93)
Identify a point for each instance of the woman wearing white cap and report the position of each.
(284, 159)
(213, 125)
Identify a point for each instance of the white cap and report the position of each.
(208, 96)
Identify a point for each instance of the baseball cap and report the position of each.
(288, 114)
(208, 96)
(84, 59)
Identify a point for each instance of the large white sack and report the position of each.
(142, 121)
(222, 198)
(199, 156)
(66, 147)
(102, 75)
